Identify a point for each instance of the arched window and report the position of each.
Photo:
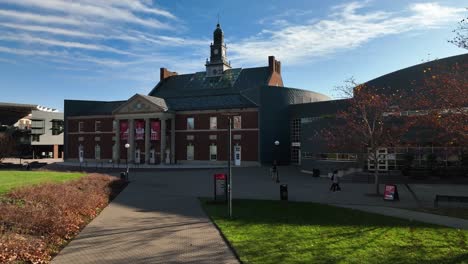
(97, 152)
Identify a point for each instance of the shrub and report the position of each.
(50, 214)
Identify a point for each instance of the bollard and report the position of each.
(284, 192)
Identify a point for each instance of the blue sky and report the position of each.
(51, 50)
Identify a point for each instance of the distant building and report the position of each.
(47, 134)
(184, 119)
(307, 120)
(38, 130)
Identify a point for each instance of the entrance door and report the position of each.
(296, 155)
(81, 153)
(137, 156)
(237, 155)
(152, 156)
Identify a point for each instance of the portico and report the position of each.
(143, 122)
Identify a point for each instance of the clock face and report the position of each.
(215, 51)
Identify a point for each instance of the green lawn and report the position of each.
(13, 179)
(276, 232)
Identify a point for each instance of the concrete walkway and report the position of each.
(147, 225)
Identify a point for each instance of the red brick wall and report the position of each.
(89, 138)
(202, 142)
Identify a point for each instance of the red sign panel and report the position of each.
(391, 193)
(123, 130)
(155, 130)
(139, 129)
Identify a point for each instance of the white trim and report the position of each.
(218, 130)
(90, 133)
(89, 117)
(217, 111)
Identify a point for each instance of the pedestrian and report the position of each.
(332, 187)
(336, 181)
(274, 172)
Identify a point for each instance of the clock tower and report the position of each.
(218, 61)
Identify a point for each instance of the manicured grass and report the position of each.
(293, 232)
(13, 179)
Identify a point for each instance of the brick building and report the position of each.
(185, 117)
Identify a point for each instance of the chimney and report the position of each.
(278, 67)
(271, 64)
(164, 74)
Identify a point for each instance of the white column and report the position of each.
(117, 141)
(173, 140)
(163, 139)
(147, 140)
(131, 140)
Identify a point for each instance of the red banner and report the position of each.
(155, 130)
(123, 130)
(139, 129)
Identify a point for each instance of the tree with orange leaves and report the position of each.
(444, 100)
(367, 124)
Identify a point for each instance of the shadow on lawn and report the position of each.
(306, 213)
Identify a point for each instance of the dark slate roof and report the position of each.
(412, 77)
(196, 91)
(316, 109)
(209, 102)
(87, 108)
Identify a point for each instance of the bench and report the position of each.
(449, 198)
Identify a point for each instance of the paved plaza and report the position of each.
(158, 218)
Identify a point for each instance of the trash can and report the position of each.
(123, 176)
(316, 173)
(284, 192)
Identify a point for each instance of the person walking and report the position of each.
(335, 182)
(274, 172)
(332, 178)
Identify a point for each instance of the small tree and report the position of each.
(7, 145)
(367, 124)
(461, 38)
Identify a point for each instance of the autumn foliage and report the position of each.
(444, 100)
(36, 221)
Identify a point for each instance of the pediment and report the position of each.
(142, 104)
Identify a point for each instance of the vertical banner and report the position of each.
(124, 130)
(155, 130)
(139, 130)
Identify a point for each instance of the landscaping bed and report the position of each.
(296, 232)
(37, 221)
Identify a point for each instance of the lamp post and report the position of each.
(229, 167)
(126, 159)
(275, 161)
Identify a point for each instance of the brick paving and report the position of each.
(145, 225)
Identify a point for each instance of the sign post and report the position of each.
(220, 184)
(391, 193)
(230, 169)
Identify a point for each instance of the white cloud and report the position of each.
(67, 44)
(345, 28)
(30, 17)
(107, 10)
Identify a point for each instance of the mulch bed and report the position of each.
(37, 221)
